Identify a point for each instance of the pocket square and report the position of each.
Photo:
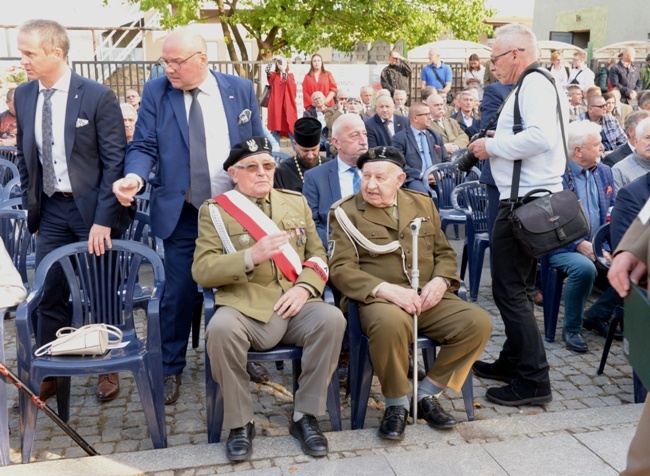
(245, 116)
(81, 122)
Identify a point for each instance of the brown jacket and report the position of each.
(451, 132)
(357, 275)
(254, 294)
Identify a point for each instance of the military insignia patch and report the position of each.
(244, 240)
(252, 145)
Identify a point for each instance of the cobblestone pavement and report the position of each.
(119, 426)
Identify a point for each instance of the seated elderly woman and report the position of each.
(594, 186)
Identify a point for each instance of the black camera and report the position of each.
(465, 159)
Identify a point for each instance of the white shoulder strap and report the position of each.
(217, 220)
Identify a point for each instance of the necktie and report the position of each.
(426, 153)
(49, 177)
(261, 202)
(386, 126)
(199, 171)
(575, 111)
(356, 180)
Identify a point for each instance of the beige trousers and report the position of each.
(318, 328)
(462, 328)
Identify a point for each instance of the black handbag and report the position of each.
(546, 223)
(266, 95)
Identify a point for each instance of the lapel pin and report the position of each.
(231, 97)
(76, 96)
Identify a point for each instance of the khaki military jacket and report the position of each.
(255, 293)
(356, 273)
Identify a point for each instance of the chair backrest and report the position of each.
(471, 198)
(9, 153)
(142, 202)
(12, 204)
(8, 171)
(17, 239)
(140, 231)
(600, 239)
(447, 176)
(11, 189)
(102, 287)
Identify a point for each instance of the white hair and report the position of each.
(578, 132)
(641, 126)
(516, 35)
(345, 120)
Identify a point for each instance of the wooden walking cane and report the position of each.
(13, 378)
(415, 284)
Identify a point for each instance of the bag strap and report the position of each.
(67, 333)
(433, 68)
(517, 127)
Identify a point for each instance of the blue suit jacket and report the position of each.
(377, 135)
(94, 152)
(161, 137)
(606, 199)
(322, 189)
(493, 96)
(629, 202)
(408, 145)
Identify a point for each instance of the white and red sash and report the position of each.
(248, 215)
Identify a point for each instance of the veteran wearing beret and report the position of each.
(371, 262)
(290, 174)
(259, 248)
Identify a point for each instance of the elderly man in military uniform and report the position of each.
(371, 261)
(259, 247)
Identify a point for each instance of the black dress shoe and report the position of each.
(600, 327)
(421, 372)
(393, 424)
(172, 388)
(312, 440)
(494, 371)
(257, 372)
(519, 393)
(429, 409)
(575, 342)
(239, 446)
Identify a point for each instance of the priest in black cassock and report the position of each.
(290, 174)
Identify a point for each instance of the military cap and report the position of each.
(253, 146)
(385, 153)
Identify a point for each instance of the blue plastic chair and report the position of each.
(361, 370)
(552, 281)
(8, 153)
(101, 291)
(17, 240)
(474, 199)
(11, 189)
(447, 177)
(4, 416)
(214, 397)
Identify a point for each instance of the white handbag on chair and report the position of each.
(92, 339)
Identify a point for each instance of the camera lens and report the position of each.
(464, 159)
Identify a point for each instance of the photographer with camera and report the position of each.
(539, 146)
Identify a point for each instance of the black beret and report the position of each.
(307, 131)
(253, 146)
(385, 153)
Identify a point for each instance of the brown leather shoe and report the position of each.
(108, 387)
(257, 372)
(48, 388)
(172, 387)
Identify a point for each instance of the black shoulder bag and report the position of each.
(546, 223)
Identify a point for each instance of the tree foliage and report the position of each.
(307, 25)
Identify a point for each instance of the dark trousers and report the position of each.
(177, 305)
(60, 224)
(513, 280)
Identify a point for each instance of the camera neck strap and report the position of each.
(517, 128)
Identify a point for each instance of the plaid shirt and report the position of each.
(613, 131)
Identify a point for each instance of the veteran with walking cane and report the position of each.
(371, 259)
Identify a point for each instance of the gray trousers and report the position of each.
(318, 328)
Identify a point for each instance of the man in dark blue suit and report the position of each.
(340, 177)
(629, 202)
(385, 124)
(420, 146)
(70, 144)
(187, 122)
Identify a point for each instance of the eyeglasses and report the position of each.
(423, 114)
(173, 64)
(495, 58)
(254, 167)
(601, 106)
(343, 99)
(132, 96)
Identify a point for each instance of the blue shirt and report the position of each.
(346, 178)
(444, 71)
(585, 188)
